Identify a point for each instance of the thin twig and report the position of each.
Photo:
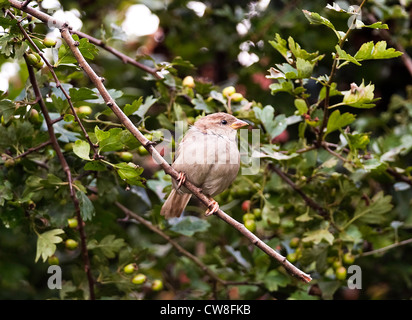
(56, 79)
(33, 149)
(383, 249)
(309, 201)
(124, 58)
(111, 103)
(66, 169)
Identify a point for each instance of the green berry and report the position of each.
(236, 97)
(125, 156)
(53, 260)
(72, 222)
(228, 91)
(258, 213)
(157, 285)
(142, 151)
(84, 110)
(49, 42)
(294, 242)
(248, 216)
(250, 225)
(139, 278)
(130, 268)
(341, 273)
(292, 257)
(71, 244)
(348, 258)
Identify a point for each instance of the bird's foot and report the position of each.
(213, 208)
(181, 178)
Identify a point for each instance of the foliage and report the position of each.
(333, 110)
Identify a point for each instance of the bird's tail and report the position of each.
(175, 204)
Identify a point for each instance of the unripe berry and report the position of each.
(189, 82)
(73, 223)
(130, 268)
(139, 278)
(250, 225)
(228, 91)
(157, 285)
(71, 244)
(49, 42)
(236, 97)
(53, 260)
(341, 273)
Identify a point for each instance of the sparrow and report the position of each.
(208, 156)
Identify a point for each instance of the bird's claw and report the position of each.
(181, 178)
(213, 208)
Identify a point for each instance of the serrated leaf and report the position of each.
(189, 225)
(274, 279)
(7, 108)
(371, 51)
(316, 236)
(273, 126)
(81, 94)
(148, 102)
(129, 172)
(87, 210)
(337, 121)
(345, 56)
(101, 134)
(82, 149)
(298, 52)
(201, 104)
(46, 243)
(109, 245)
(304, 67)
(132, 108)
(280, 45)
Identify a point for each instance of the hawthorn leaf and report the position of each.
(82, 149)
(46, 243)
(337, 121)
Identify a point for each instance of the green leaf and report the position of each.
(46, 243)
(201, 104)
(132, 108)
(316, 18)
(371, 51)
(274, 279)
(87, 210)
(87, 49)
(101, 134)
(115, 141)
(298, 52)
(317, 236)
(189, 225)
(6, 192)
(148, 102)
(65, 56)
(81, 94)
(286, 86)
(345, 56)
(95, 166)
(337, 121)
(82, 149)
(301, 106)
(373, 211)
(129, 172)
(7, 108)
(273, 126)
(332, 91)
(109, 245)
(280, 45)
(304, 67)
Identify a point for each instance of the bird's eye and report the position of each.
(224, 122)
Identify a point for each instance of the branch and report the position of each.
(383, 249)
(120, 55)
(33, 149)
(309, 201)
(66, 169)
(111, 103)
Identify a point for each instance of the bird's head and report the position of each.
(220, 123)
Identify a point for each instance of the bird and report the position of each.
(208, 156)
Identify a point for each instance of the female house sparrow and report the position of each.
(209, 157)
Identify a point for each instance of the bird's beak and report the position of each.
(239, 124)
